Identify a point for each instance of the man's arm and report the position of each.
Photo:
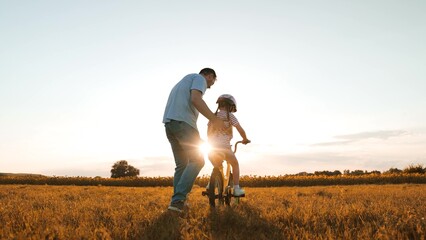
(201, 106)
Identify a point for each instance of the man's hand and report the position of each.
(201, 106)
(217, 123)
(245, 141)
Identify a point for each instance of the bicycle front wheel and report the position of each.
(216, 188)
(228, 190)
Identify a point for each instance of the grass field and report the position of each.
(333, 212)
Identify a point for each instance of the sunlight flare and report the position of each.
(205, 148)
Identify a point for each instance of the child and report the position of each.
(220, 139)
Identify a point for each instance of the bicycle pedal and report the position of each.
(238, 196)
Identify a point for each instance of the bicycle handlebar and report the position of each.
(235, 146)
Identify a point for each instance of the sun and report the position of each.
(205, 148)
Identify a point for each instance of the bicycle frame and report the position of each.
(227, 177)
(223, 186)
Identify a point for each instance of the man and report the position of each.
(180, 119)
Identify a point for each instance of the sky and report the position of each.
(320, 85)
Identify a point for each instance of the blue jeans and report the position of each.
(185, 141)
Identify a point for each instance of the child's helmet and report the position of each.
(229, 99)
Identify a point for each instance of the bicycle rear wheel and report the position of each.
(216, 188)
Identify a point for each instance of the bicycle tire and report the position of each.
(216, 188)
(228, 191)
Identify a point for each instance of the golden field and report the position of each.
(319, 212)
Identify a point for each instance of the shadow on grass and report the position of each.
(236, 222)
(241, 222)
(166, 226)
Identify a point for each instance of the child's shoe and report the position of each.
(239, 192)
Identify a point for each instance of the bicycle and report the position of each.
(218, 195)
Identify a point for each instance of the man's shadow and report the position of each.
(166, 226)
(241, 222)
(236, 222)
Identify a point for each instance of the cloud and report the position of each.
(332, 143)
(351, 138)
(376, 134)
(281, 164)
(378, 150)
(157, 166)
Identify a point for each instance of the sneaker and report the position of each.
(239, 192)
(177, 206)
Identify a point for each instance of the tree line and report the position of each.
(123, 169)
(418, 168)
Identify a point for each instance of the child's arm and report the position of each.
(242, 133)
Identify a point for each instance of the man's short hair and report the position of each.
(207, 71)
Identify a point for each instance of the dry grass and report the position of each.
(335, 212)
(248, 181)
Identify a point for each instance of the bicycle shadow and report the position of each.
(241, 222)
